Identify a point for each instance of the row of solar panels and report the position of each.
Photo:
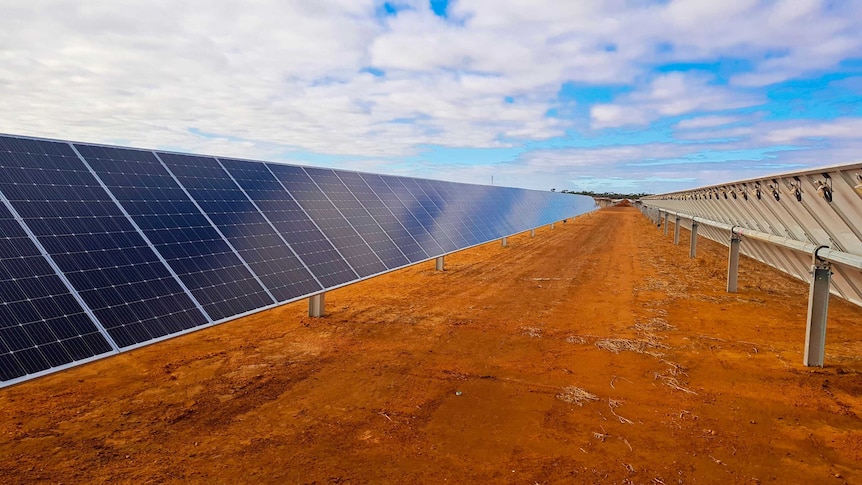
(104, 249)
(821, 207)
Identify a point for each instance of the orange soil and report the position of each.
(423, 376)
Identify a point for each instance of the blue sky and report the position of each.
(608, 95)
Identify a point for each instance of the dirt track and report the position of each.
(472, 375)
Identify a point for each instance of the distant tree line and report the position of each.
(609, 195)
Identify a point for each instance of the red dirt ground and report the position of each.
(472, 375)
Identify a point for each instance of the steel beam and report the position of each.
(439, 263)
(676, 230)
(532, 233)
(504, 242)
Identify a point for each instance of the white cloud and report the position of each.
(671, 94)
(707, 122)
(804, 131)
(266, 78)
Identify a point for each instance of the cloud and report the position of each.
(344, 83)
(671, 94)
(707, 122)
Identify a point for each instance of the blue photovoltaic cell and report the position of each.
(113, 269)
(403, 213)
(336, 228)
(359, 217)
(196, 252)
(243, 225)
(383, 216)
(41, 324)
(292, 223)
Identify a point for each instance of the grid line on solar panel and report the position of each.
(42, 324)
(358, 217)
(237, 218)
(331, 222)
(92, 243)
(291, 221)
(164, 213)
(384, 217)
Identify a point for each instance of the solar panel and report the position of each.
(42, 326)
(207, 265)
(359, 217)
(403, 213)
(242, 224)
(384, 217)
(104, 249)
(111, 266)
(332, 223)
(448, 218)
(292, 222)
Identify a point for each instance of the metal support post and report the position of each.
(316, 305)
(818, 303)
(439, 263)
(658, 220)
(666, 222)
(504, 242)
(552, 225)
(532, 233)
(676, 230)
(733, 263)
(692, 252)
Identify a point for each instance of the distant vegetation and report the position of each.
(609, 195)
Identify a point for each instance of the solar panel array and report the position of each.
(105, 249)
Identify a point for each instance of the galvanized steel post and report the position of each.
(532, 233)
(692, 252)
(504, 242)
(733, 262)
(317, 305)
(818, 304)
(439, 263)
(676, 230)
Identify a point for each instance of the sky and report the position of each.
(624, 96)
